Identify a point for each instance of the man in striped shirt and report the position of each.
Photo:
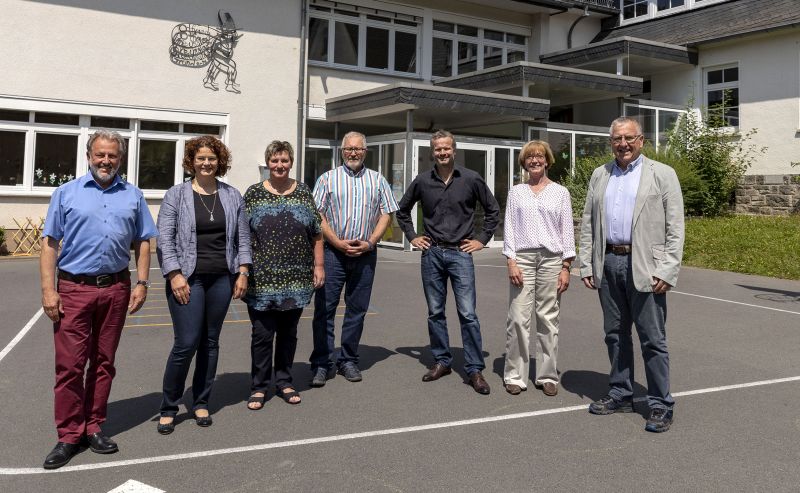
(355, 204)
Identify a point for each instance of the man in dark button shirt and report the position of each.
(448, 195)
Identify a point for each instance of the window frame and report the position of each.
(653, 11)
(722, 86)
(84, 129)
(480, 41)
(363, 22)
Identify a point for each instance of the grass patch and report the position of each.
(761, 245)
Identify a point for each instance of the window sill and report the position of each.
(8, 191)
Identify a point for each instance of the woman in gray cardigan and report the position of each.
(204, 253)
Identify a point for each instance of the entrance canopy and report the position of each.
(432, 106)
(632, 56)
(560, 85)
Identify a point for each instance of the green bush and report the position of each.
(718, 157)
(579, 182)
(2, 240)
(695, 190)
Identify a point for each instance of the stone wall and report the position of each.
(771, 195)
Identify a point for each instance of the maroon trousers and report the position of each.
(88, 332)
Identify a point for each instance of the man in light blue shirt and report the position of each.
(96, 218)
(631, 245)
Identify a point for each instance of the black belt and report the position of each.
(618, 249)
(446, 246)
(101, 281)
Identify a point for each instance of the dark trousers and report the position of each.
(355, 276)
(89, 332)
(623, 306)
(197, 326)
(269, 326)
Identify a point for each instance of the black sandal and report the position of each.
(256, 399)
(287, 396)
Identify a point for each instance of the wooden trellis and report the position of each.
(27, 237)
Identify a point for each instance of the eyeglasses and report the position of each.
(629, 139)
(535, 156)
(353, 150)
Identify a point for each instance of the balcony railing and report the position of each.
(607, 6)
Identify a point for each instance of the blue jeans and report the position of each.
(355, 276)
(197, 326)
(623, 306)
(437, 266)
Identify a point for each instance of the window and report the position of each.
(472, 48)
(668, 4)
(12, 157)
(722, 96)
(634, 8)
(40, 150)
(656, 121)
(345, 35)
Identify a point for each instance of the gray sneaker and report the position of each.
(350, 372)
(320, 377)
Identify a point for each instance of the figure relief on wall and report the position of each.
(199, 46)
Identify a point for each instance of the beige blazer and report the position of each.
(656, 234)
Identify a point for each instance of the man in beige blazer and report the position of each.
(631, 245)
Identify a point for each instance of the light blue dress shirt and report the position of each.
(97, 226)
(619, 202)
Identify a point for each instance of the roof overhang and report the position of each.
(441, 106)
(639, 56)
(560, 85)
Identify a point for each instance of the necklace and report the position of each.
(213, 206)
(280, 192)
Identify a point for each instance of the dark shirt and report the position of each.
(210, 235)
(448, 210)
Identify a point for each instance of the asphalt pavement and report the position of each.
(734, 342)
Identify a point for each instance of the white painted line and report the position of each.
(133, 486)
(21, 334)
(11, 471)
(736, 302)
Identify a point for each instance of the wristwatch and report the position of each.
(371, 245)
(245, 273)
(144, 282)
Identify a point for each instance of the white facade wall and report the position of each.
(769, 93)
(115, 53)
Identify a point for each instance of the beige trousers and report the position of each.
(537, 298)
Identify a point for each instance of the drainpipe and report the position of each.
(569, 34)
(301, 92)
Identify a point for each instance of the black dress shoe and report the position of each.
(101, 444)
(479, 383)
(436, 372)
(60, 455)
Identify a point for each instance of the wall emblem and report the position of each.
(198, 46)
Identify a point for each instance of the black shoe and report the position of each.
(659, 421)
(166, 428)
(204, 421)
(320, 377)
(101, 444)
(609, 405)
(60, 455)
(350, 372)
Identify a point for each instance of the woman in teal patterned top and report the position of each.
(287, 268)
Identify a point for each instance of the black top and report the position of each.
(210, 235)
(448, 210)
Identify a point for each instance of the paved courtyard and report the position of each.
(734, 343)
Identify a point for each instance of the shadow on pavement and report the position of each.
(425, 358)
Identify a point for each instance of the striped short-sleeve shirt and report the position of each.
(352, 202)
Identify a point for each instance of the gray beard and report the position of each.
(103, 180)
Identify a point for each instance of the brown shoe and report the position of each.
(513, 389)
(549, 389)
(436, 372)
(479, 383)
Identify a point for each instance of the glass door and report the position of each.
(476, 157)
